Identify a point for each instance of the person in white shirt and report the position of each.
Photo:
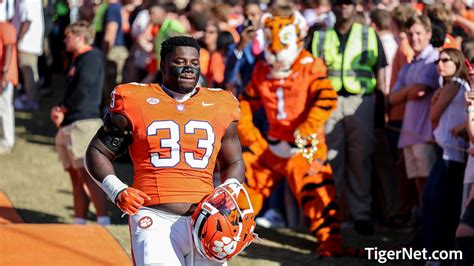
(30, 47)
(384, 164)
(381, 22)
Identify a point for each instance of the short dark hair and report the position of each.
(169, 45)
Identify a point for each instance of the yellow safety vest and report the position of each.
(353, 67)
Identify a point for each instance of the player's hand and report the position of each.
(130, 200)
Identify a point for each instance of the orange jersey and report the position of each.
(175, 145)
(287, 101)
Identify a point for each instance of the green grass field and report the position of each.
(32, 177)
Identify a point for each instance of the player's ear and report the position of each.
(162, 65)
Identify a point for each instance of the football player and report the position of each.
(175, 132)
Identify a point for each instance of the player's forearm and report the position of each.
(98, 162)
(235, 170)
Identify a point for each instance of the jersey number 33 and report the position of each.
(173, 143)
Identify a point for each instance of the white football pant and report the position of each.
(162, 238)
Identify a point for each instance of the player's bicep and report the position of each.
(231, 150)
(115, 135)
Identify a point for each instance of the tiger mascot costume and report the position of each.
(292, 86)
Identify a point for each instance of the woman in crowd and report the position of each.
(443, 191)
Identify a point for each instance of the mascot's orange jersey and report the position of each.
(175, 145)
(287, 101)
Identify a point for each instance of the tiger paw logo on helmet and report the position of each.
(225, 247)
(284, 40)
(221, 229)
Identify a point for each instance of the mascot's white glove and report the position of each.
(282, 149)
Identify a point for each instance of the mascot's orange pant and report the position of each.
(312, 185)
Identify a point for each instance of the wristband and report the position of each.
(470, 110)
(112, 186)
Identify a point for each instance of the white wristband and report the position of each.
(112, 186)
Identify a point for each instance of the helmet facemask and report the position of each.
(221, 229)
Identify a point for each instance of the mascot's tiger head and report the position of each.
(284, 40)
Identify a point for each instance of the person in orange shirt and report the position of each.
(8, 79)
(175, 133)
(406, 188)
(208, 50)
(215, 74)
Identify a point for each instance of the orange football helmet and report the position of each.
(220, 229)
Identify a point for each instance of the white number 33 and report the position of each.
(175, 148)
